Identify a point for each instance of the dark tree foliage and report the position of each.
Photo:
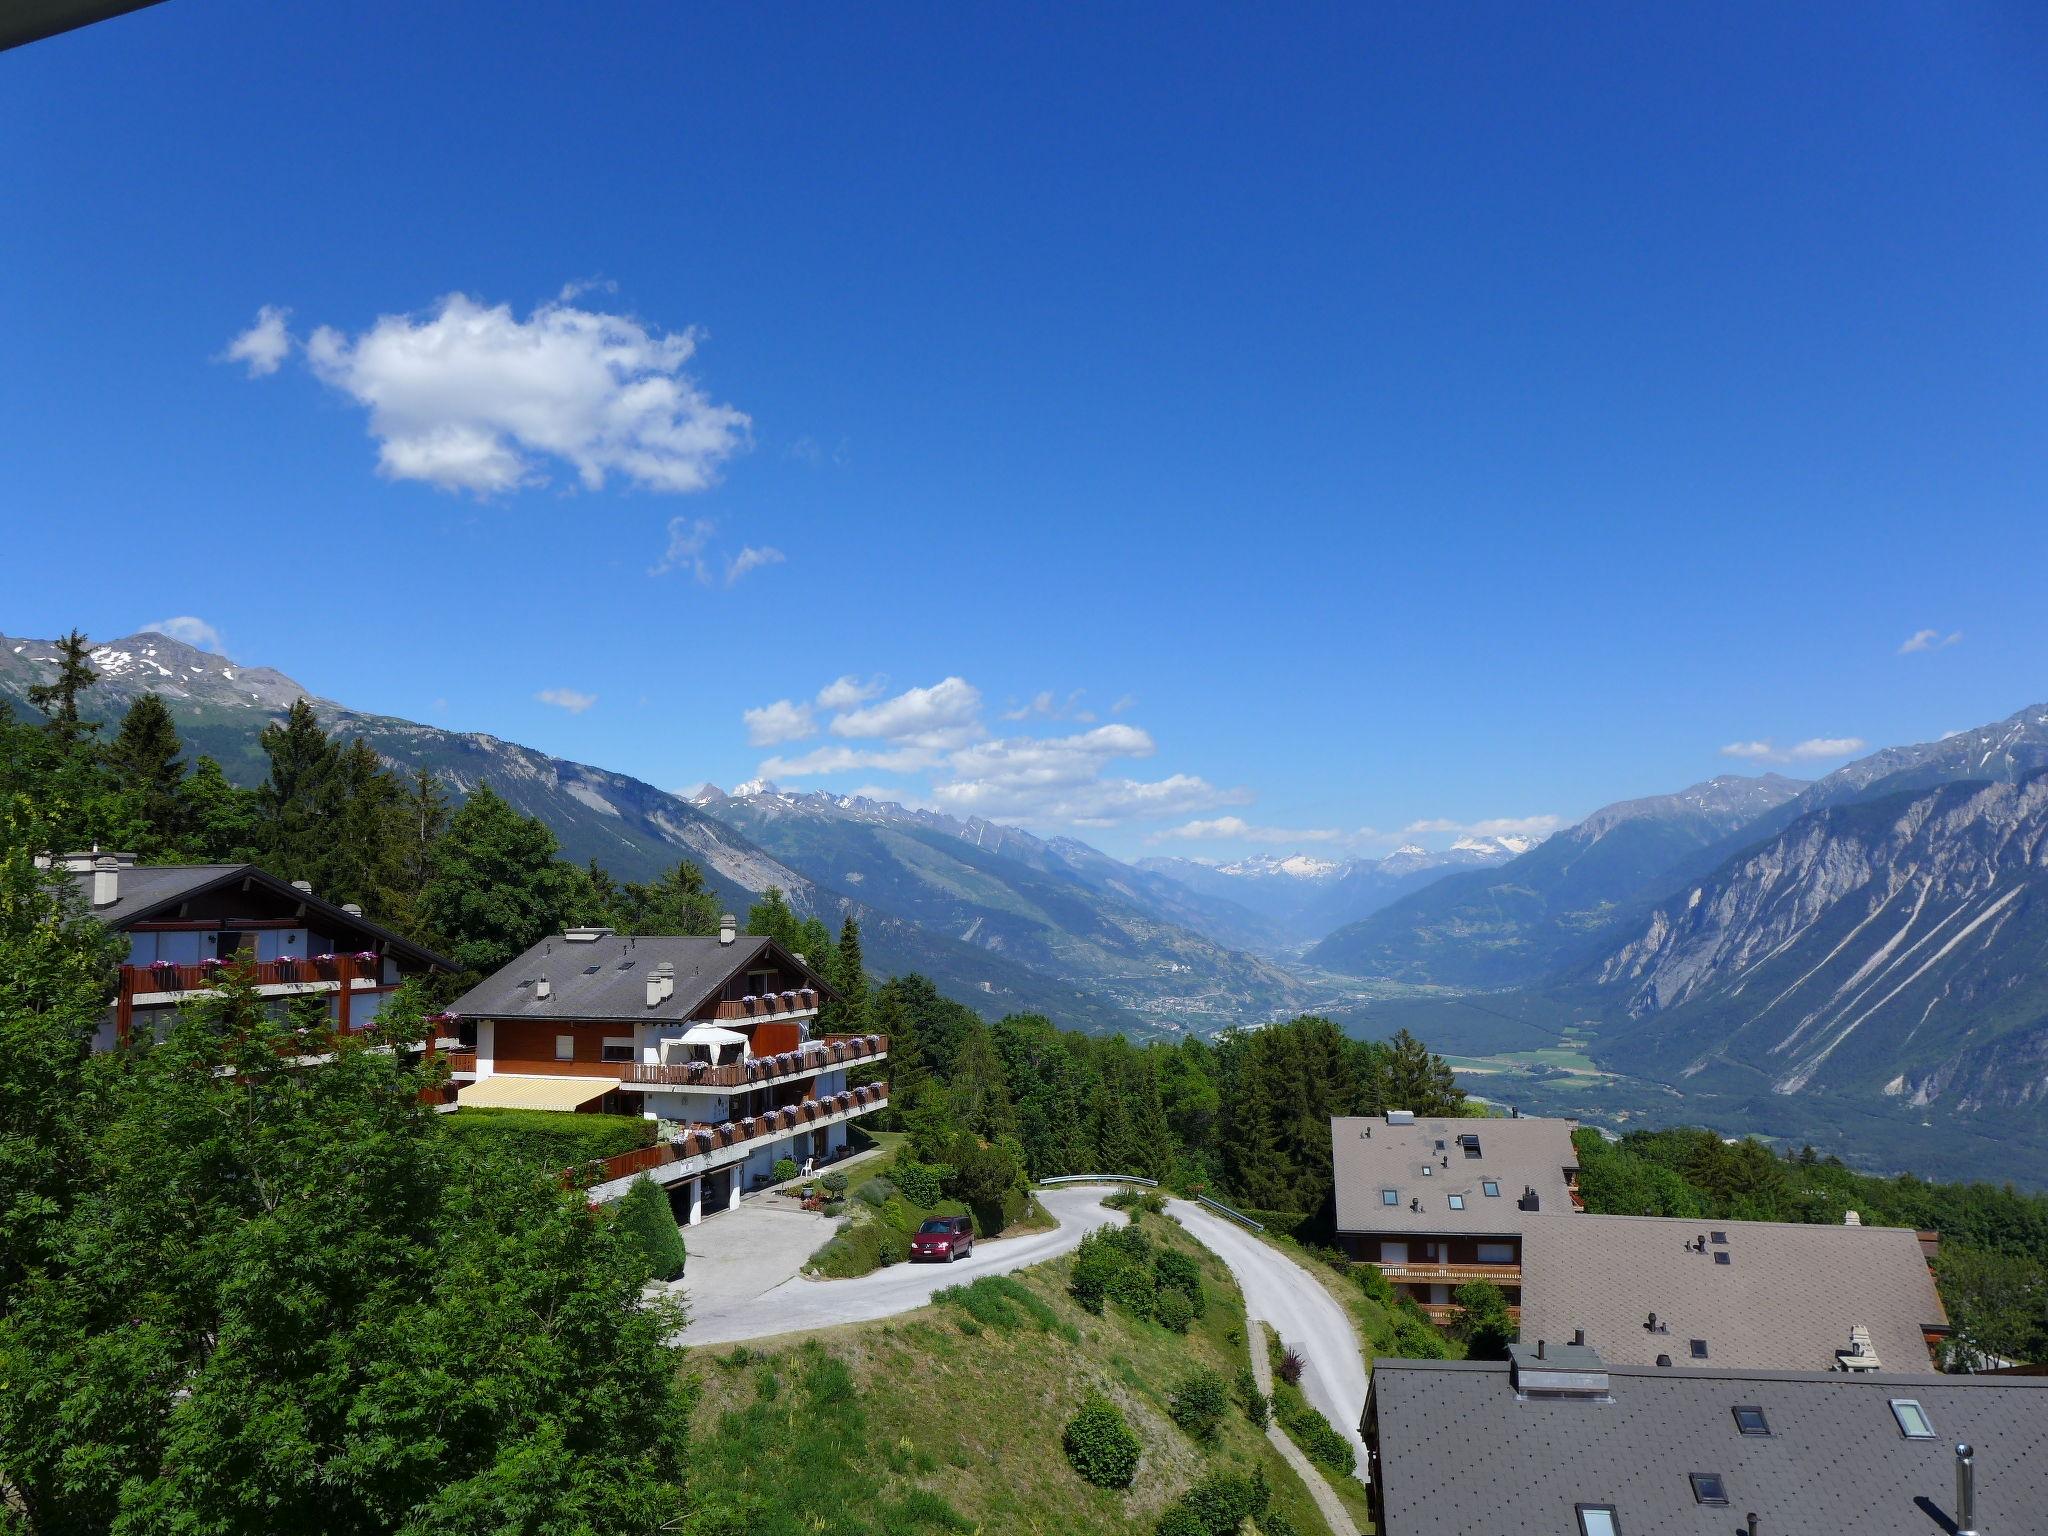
(773, 918)
(847, 972)
(145, 759)
(496, 887)
(58, 698)
(649, 1224)
(680, 902)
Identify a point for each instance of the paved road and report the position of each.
(1308, 1319)
(738, 1294)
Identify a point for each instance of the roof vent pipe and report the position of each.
(1966, 1491)
(1579, 1336)
(352, 908)
(303, 887)
(541, 989)
(106, 882)
(1540, 1353)
(728, 928)
(1851, 1219)
(1753, 1519)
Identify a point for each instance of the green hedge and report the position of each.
(547, 1137)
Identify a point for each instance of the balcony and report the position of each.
(1443, 1314)
(1423, 1272)
(800, 1004)
(818, 1056)
(164, 979)
(702, 1148)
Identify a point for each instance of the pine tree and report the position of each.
(143, 759)
(292, 803)
(648, 1222)
(847, 1014)
(58, 698)
(680, 902)
(497, 887)
(1411, 1078)
(978, 1089)
(219, 819)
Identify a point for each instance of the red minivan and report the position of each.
(943, 1237)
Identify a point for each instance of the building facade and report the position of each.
(715, 1039)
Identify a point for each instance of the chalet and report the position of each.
(1559, 1441)
(1436, 1203)
(1747, 1295)
(714, 1038)
(185, 922)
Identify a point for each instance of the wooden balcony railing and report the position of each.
(1421, 1272)
(461, 1060)
(1443, 1314)
(165, 976)
(832, 1051)
(701, 1140)
(774, 1005)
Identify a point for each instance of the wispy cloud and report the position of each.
(1929, 640)
(470, 397)
(264, 346)
(773, 724)
(688, 539)
(849, 691)
(570, 699)
(1235, 829)
(1048, 705)
(1491, 826)
(195, 632)
(1813, 749)
(750, 559)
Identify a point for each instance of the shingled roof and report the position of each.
(605, 977)
(1462, 1155)
(1763, 1295)
(1461, 1454)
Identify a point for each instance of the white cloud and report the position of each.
(1492, 826)
(193, 631)
(750, 559)
(1050, 706)
(567, 698)
(1929, 640)
(848, 691)
(773, 724)
(1126, 701)
(264, 346)
(832, 759)
(1813, 749)
(471, 398)
(1061, 779)
(688, 539)
(1237, 829)
(947, 714)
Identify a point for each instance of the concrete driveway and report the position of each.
(748, 1285)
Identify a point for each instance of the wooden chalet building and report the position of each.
(714, 1038)
(185, 922)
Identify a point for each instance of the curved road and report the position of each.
(1276, 1291)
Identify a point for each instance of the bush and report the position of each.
(1289, 1367)
(1176, 1271)
(1257, 1408)
(923, 1184)
(649, 1225)
(547, 1138)
(875, 1191)
(1416, 1339)
(1179, 1520)
(1114, 1263)
(784, 1170)
(1100, 1445)
(1136, 1202)
(1375, 1285)
(1216, 1506)
(834, 1207)
(1484, 1322)
(1198, 1403)
(1174, 1311)
(1314, 1434)
(835, 1183)
(1273, 1523)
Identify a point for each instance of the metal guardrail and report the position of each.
(1101, 1178)
(1234, 1215)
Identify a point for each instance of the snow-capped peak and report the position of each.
(1298, 866)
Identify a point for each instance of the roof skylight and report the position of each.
(1699, 1348)
(1708, 1488)
(1598, 1520)
(1750, 1420)
(1914, 1423)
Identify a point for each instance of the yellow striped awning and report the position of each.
(519, 1090)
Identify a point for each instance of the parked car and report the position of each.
(943, 1237)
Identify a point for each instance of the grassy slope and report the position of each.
(886, 1427)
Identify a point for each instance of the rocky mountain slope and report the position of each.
(1554, 905)
(1056, 906)
(1298, 899)
(1891, 948)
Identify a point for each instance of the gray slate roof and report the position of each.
(1785, 1300)
(606, 978)
(152, 890)
(1459, 1456)
(1515, 1154)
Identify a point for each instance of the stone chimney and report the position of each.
(106, 881)
(728, 928)
(654, 992)
(541, 989)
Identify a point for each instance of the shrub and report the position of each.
(1289, 1367)
(1174, 1311)
(1136, 1202)
(834, 1207)
(649, 1225)
(1257, 1408)
(1375, 1285)
(1415, 1339)
(784, 1170)
(1216, 1506)
(1114, 1263)
(1198, 1403)
(1313, 1433)
(547, 1138)
(835, 1183)
(1100, 1445)
(1179, 1520)
(1484, 1322)
(923, 1184)
(1177, 1271)
(1273, 1523)
(875, 1191)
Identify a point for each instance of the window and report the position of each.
(1707, 1488)
(1439, 1144)
(617, 1050)
(1914, 1423)
(1496, 1253)
(1721, 1258)
(1751, 1421)
(1427, 1171)
(1699, 1349)
(1491, 1188)
(1720, 1237)
(1457, 1202)
(1390, 1197)
(1598, 1520)
(565, 1047)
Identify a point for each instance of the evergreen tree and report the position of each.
(292, 803)
(680, 902)
(978, 1090)
(847, 974)
(218, 819)
(366, 817)
(496, 886)
(58, 698)
(771, 918)
(145, 762)
(648, 1222)
(421, 816)
(1411, 1078)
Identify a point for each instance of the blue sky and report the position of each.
(1347, 419)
